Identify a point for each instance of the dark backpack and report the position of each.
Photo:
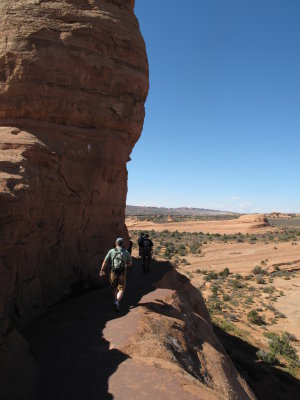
(118, 264)
(140, 240)
(147, 247)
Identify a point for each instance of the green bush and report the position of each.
(269, 289)
(211, 275)
(260, 280)
(226, 297)
(281, 345)
(195, 248)
(258, 270)
(236, 283)
(255, 318)
(267, 357)
(249, 300)
(224, 273)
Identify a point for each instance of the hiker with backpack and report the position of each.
(146, 246)
(119, 259)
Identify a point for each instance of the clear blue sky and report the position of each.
(222, 126)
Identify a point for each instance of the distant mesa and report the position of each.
(171, 212)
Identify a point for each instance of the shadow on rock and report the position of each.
(74, 359)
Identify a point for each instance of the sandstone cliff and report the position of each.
(73, 82)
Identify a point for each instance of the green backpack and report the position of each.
(118, 264)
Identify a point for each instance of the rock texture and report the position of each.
(173, 351)
(160, 346)
(73, 82)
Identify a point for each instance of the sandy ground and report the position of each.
(226, 226)
(243, 257)
(289, 305)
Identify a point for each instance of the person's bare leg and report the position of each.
(120, 294)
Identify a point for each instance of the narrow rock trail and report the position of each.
(75, 359)
(159, 346)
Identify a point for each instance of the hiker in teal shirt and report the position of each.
(118, 259)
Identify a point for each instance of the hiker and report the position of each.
(130, 246)
(118, 259)
(140, 241)
(147, 246)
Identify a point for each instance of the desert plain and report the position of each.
(247, 268)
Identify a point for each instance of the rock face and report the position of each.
(73, 82)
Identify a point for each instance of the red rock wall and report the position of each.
(73, 82)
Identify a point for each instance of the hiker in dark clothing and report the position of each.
(130, 246)
(140, 242)
(147, 246)
(118, 259)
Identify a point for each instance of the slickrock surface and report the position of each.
(73, 82)
(253, 223)
(160, 346)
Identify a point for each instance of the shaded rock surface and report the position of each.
(73, 82)
(161, 345)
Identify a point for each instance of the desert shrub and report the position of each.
(225, 272)
(247, 277)
(260, 280)
(195, 248)
(157, 250)
(279, 314)
(258, 270)
(226, 297)
(168, 253)
(255, 318)
(214, 304)
(215, 289)
(281, 345)
(249, 300)
(185, 262)
(236, 283)
(273, 321)
(211, 275)
(291, 337)
(269, 289)
(182, 252)
(267, 357)
(198, 271)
